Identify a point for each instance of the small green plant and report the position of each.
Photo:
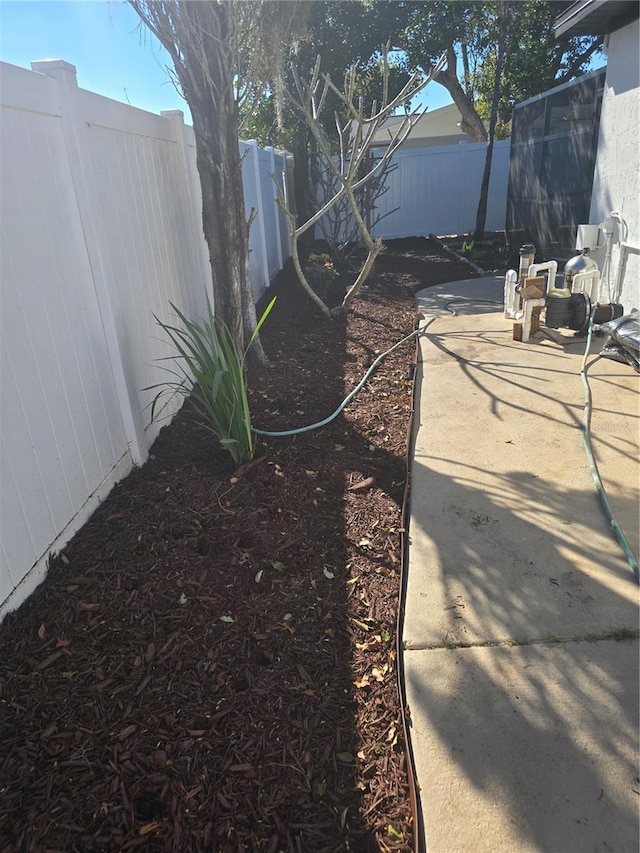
(320, 272)
(489, 254)
(622, 634)
(211, 373)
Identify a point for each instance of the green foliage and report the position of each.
(535, 62)
(344, 34)
(211, 373)
(489, 254)
(320, 272)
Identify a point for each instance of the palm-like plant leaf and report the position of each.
(212, 374)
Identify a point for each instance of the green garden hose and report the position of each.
(287, 432)
(586, 425)
(593, 465)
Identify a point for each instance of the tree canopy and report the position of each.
(351, 33)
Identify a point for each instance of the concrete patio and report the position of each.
(521, 614)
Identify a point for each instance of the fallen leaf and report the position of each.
(148, 827)
(277, 565)
(363, 485)
(227, 619)
(339, 447)
(328, 574)
(311, 473)
(183, 598)
(353, 580)
(374, 643)
(394, 833)
(42, 631)
(375, 672)
(386, 636)
(361, 682)
(64, 559)
(258, 576)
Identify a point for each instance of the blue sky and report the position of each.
(113, 55)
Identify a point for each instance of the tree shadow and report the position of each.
(525, 722)
(526, 733)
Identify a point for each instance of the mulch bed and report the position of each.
(211, 662)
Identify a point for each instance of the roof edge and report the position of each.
(595, 17)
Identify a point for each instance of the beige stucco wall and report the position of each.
(616, 183)
(435, 127)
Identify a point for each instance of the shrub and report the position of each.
(320, 272)
(211, 373)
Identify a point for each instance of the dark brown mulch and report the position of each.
(211, 663)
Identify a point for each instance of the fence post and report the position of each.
(193, 189)
(259, 220)
(275, 209)
(75, 132)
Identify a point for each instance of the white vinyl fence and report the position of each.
(101, 229)
(437, 189)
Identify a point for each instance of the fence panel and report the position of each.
(62, 432)
(280, 169)
(149, 240)
(437, 189)
(268, 195)
(101, 229)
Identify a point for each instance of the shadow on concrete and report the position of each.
(521, 651)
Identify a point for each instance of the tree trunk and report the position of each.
(481, 215)
(224, 223)
(200, 38)
(471, 123)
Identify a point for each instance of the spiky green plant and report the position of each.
(211, 373)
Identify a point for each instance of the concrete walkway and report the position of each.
(521, 686)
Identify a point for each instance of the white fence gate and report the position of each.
(437, 189)
(101, 229)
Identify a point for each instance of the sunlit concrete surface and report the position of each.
(516, 581)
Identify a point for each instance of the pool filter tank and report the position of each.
(579, 263)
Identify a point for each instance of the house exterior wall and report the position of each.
(616, 184)
(435, 127)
